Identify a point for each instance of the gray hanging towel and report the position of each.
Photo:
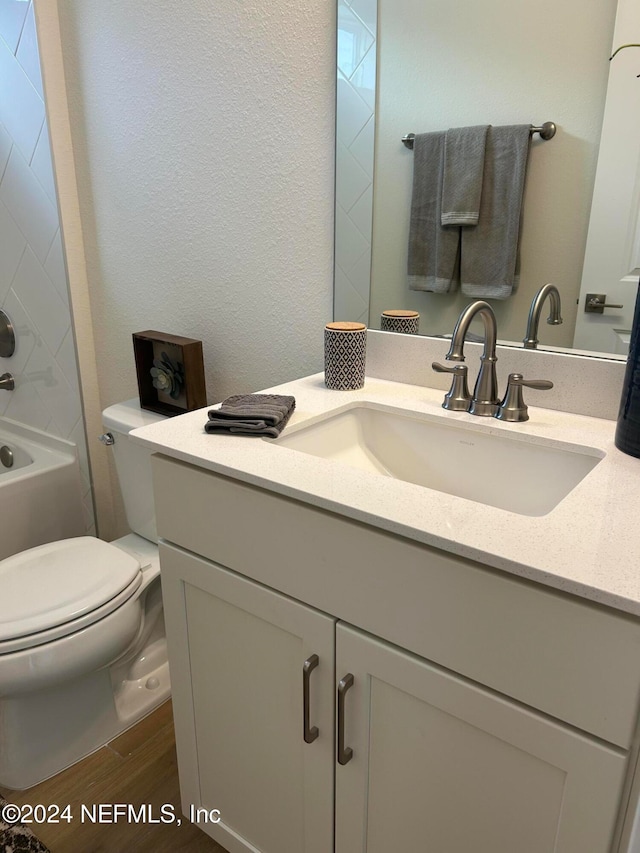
(433, 249)
(489, 256)
(464, 149)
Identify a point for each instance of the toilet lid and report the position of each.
(55, 583)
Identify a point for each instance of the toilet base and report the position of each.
(135, 697)
(86, 716)
(46, 729)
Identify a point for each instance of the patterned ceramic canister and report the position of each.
(400, 321)
(345, 347)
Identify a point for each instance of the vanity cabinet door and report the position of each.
(440, 764)
(237, 653)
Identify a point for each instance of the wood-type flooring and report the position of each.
(139, 767)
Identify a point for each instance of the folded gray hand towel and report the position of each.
(252, 414)
(433, 249)
(464, 149)
(489, 255)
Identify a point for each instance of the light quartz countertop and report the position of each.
(587, 545)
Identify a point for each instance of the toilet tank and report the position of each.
(133, 464)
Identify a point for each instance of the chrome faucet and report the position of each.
(484, 400)
(554, 319)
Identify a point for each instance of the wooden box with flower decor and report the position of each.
(170, 372)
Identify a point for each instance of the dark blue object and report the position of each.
(628, 429)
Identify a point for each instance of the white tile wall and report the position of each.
(33, 283)
(5, 148)
(21, 107)
(355, 108)
(28, 203)
(12, 17)
(27, 53)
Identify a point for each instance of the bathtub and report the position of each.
(40, 492)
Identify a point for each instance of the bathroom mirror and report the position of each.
(406, 66)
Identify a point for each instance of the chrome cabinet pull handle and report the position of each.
(345, 754)
(310, 732)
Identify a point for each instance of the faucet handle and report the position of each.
(513, 408)
(7, 382)
(458, 398)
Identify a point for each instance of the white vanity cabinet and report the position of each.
(441, 764)
(484, 714)
(238, 654)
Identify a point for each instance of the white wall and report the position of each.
(33, 283)
(203, 139)
(444, 64)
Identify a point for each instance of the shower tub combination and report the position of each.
(40, 489)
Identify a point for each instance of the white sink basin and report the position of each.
(523, 476)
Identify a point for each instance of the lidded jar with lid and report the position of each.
(345, 346)
(400, 320)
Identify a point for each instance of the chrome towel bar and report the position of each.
(546, 131)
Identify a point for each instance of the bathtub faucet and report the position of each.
(6, 382)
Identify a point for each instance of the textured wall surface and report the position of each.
(33, 282)
(203, 137)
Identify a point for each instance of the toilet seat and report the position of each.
(55, 589)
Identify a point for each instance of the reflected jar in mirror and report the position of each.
(345, 347)
(397, 320)
(628, 429)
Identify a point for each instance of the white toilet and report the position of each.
(82, 642)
